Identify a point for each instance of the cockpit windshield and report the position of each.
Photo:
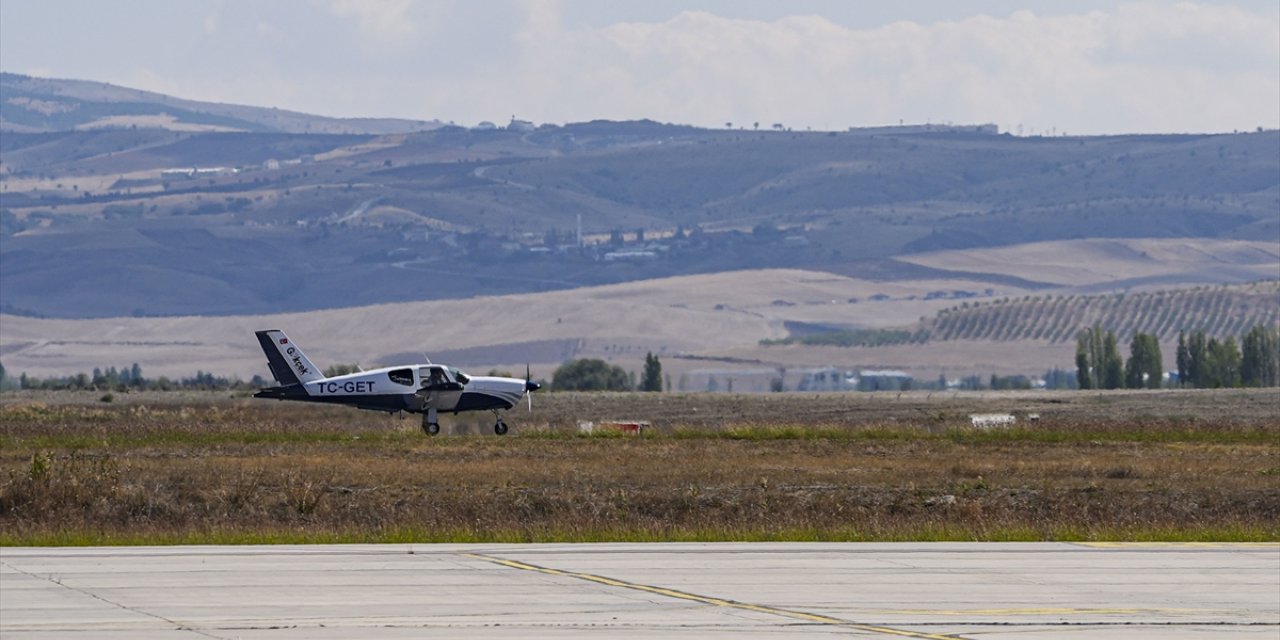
(459, 376)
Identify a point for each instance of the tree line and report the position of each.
(592, 374)
(1206, 363)
(1202, 361)
(126, 379)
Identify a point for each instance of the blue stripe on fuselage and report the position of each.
(476, 401)
(468, 401)
(382, 402)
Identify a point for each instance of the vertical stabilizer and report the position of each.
(288, 363)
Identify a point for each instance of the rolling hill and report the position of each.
(287, 214)
(692, 322)
(1218, 311)
(1027, 334)
(1225, 310)
(42, 105)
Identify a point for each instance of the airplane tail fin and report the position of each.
(288, 363)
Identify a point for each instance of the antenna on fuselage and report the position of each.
(424, 355)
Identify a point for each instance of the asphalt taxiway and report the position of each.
(717, 590)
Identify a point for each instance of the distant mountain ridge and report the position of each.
(32, 105)
(218, 209)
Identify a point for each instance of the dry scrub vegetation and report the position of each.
(209, 468)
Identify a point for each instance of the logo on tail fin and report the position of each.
(288, 364)
(297, 360)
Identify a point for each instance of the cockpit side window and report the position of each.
(433, 377)
(401, 376)
(459, 376)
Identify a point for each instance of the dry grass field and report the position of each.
(1101, 263)
(206, 468)
(704, 313)
(722, 315)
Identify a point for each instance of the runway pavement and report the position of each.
(718, 590)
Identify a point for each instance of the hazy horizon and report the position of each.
(1030, 67)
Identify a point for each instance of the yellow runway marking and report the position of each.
(1042, 611)
(1180, 545)
(717, 602)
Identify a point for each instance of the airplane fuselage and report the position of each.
(376, 390)
(428, 389)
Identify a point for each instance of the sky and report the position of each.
(1031, 66)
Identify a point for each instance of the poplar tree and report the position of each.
(1145, 367)
(1184, 360)
(1112, 364)
(1260, 358)
(1083, 378)
(1197, 360)
(651, 379)
(1222, 363)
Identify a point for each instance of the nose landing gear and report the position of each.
(499, 427)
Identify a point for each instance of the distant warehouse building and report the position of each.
(882, 380)
(832, 379)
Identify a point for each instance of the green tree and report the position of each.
(1222, 363)
(1260, 358)
(1112, 373)
(1083, 378)
(651, 380)
(589, 374)
(1056, 378)
(1098, 361)
(1197, 360)
(1184, 360)
(1155, 362)
(1145, 367)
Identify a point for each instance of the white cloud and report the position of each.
(1141, 67)
(542, 21)
(385, 21)
(1134, 67)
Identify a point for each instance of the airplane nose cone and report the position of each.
(530, 385)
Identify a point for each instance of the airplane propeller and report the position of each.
(529, 386)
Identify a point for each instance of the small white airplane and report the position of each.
(422, 388)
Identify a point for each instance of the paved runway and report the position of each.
(722, 590)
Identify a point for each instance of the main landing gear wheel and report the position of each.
(430, 423)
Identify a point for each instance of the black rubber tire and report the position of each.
(500, 428)
(432, 428)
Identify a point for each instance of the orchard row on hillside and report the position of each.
(1218, 311)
